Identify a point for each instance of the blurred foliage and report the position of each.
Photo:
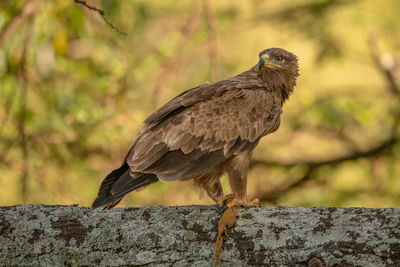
(73, 93)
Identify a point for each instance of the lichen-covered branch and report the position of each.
(40, 235)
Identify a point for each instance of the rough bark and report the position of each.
(184, 236)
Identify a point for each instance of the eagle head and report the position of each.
(279, 69)
(277, 59)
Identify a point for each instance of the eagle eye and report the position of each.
(278, 58)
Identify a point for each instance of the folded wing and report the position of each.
(202, 128)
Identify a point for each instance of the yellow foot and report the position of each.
(238, 202)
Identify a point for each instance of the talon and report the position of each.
(233, 203)
(254, 203)
(220, 202)
(246, 203)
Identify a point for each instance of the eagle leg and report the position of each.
(214, 190)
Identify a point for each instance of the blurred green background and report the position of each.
(73, 93)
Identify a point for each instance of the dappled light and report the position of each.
(77, 82)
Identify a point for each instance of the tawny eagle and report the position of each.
(207, 131)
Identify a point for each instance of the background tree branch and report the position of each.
(101, 13)
(27, 9)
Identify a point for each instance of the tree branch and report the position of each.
(334, 161)
(384, 68)
(312, 167)
(102, 14)
(185, 236)
(9, 29)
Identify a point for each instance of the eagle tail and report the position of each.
(119, 183)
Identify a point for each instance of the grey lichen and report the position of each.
(184, 236)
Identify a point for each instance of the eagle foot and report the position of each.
(246, 203)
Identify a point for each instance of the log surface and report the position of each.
(36, 235)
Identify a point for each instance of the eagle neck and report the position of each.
(282, 83)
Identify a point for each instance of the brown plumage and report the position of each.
(207, 131)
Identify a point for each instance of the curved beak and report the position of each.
(264, 62)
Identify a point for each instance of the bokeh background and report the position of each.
(74, 91)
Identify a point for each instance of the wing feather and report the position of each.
(202, 128)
